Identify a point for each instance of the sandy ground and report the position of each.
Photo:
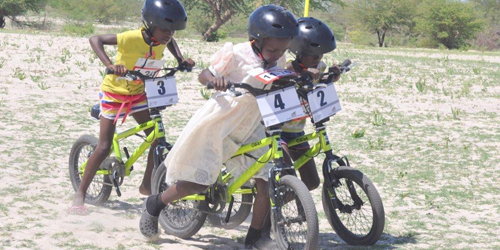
(438, 176)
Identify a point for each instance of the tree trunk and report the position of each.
(218, 23)
(381, 37)
(2, 22)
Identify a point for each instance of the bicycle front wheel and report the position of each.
(295, 220)
(353, 207)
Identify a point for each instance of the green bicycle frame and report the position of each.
(115, 148)
(275, 152)
(320, 147)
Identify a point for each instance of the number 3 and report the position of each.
(162, 90)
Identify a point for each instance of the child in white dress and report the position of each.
(216, 130)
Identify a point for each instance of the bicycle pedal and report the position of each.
(115, 183)
(229, 209)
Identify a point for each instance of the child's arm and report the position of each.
(220, 82)
(313, 73)
(97, 43)
(176, 52)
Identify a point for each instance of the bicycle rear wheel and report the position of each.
(100, 188)
(182, 219)
(353, 207)
(295, 220)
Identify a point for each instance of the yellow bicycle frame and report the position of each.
(115, 148)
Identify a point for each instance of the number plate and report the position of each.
(279, 106)
(324, 102)
(270, 75)
(151, 68)
(161, 91)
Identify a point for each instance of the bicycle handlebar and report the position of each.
(135, 75)
(305, 81)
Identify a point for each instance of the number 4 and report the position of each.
(278, 102)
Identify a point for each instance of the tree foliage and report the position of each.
(219, 12)
(13, 8)
(381, 16)
(450, 23)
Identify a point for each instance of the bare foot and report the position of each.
(78, 200)
(145, 190)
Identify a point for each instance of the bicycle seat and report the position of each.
(95, 111)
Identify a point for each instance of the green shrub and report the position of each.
(450, 23)
(79, 29)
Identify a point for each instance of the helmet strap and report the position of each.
(149, 32)
(257, 51)
(298, 66)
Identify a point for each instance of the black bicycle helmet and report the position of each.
(271, 21)
(315, 38)
(165, 14)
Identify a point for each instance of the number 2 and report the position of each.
(162, 90)
(278, 103)
(322, 102)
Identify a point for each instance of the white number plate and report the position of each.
(270, 75)
(324, 102)
(151, 68)
(280, 106)
(161, 91)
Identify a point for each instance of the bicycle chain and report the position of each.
(207, 212)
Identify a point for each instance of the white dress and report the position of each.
(216, 131)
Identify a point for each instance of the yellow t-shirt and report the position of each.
(298, 126)
(131, 47)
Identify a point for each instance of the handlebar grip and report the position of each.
(346, 63)
(210, 85)
(109, 71)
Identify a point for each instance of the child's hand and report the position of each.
(188, 62)
(336, 70)
(315, 74)
(119, 70)
(220, 83)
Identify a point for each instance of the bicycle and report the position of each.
(292, 206)
(114, 169)
(347, 194)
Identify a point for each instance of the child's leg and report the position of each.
(261, 208)
(145, 188)
(181, 189)
(308, 173)
(107, 129)
(148, 224)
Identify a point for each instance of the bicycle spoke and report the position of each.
(293, 221)
(358, 221)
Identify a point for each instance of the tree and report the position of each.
(217, 11)
(381, 16)
(13, 8)
(450, 23)
(489, 10)
(220, 12)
